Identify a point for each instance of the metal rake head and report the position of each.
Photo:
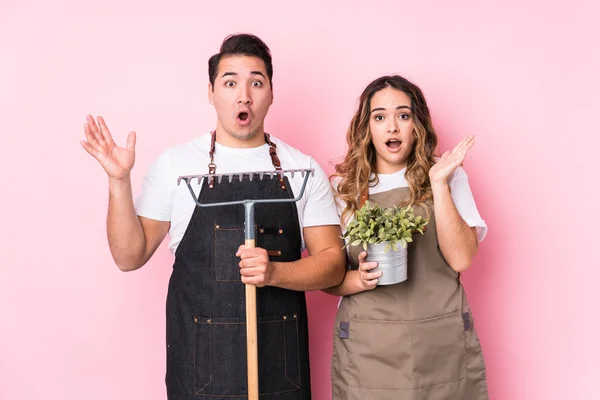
(261, 175)
(278, 174)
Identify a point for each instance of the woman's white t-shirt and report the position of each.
(459, 189)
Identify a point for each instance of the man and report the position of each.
(206, 336)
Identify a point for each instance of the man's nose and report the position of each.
(244, 96)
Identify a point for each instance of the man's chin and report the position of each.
(243, 134)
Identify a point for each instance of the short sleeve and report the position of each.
(465, 203)
(155, 200)
(320, 206)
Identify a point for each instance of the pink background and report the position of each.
(520, 75)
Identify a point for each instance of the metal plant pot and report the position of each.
(391, 263)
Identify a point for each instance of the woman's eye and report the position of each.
(379, 118)
(404, 116)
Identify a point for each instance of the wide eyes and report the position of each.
(403, 117)
(255, 84)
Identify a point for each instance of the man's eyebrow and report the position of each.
(383, 109)
(235, 74)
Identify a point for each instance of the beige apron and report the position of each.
(412, 340)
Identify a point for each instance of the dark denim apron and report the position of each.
(206, 329)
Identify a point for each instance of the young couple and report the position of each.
(412, 340)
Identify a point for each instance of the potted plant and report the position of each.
(379, 231)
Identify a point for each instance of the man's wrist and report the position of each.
(274, 278)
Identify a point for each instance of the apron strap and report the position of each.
(212, 167)
(274, 159)
(364, 196)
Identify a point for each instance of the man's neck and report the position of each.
(228, 140)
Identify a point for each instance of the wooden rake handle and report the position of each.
(251, 336)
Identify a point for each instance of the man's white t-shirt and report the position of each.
(459, 189)
(163, 200)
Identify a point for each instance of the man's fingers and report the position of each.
(92, 124)
(104, 132)
(238, 253)
(130, 141)
(253, 252)
(94, 129)
(252, 257)
(94, 153)
(89, 135)
(253, 280)
(252, 271)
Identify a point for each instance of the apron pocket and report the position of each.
(227, 241)
(378, 354)
(439, 350)
(220, 367)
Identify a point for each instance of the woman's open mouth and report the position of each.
(393, 144)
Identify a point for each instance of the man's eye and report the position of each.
(257, 83)
(230, 84)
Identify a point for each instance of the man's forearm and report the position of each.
(316, 272)
(125, 233)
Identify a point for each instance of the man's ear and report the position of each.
(211, 94)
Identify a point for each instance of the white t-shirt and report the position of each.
(460, 192)
(163, 200)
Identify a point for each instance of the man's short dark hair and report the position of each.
(241, 45)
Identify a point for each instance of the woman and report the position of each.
(416, 339)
